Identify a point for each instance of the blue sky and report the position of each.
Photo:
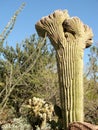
(86, 10)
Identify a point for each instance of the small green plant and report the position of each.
(17, 124)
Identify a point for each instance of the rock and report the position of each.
(82, 126)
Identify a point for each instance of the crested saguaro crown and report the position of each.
(70, 37)
(59, 26)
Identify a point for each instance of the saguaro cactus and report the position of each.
(69, 36)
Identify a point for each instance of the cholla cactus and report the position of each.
(39, 112)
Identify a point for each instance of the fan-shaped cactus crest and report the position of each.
(70, 37)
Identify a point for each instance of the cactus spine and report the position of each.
(69, 36)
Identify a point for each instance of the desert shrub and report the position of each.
(17, 124)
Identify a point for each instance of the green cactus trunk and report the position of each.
(69, 36)
(70, 67)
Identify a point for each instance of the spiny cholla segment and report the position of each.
(39, 111)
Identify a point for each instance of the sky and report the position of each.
(34, 10)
